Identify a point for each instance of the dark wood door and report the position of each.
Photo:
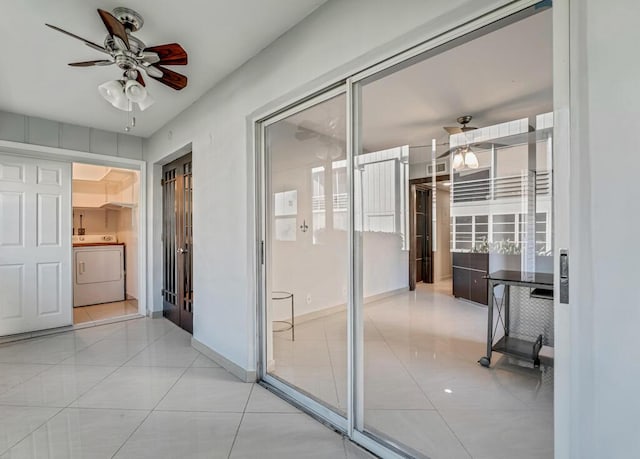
(421, 244)
(424, 244)
(177, 236)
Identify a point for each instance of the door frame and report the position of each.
(71, 156)
(412, 227)
(378, 60)
(263, 205)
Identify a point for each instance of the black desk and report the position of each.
(542, 287)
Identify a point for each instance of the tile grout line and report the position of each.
(59, 363)
(333, 373)
(31, 432)
(52, 365)
(393, 352)
(10, 388)
(152, 409)
(244, 411)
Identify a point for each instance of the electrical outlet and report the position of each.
(308, 298)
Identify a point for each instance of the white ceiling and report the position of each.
(218, 35)
(502, 76)
(499, 77)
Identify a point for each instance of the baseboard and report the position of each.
(155, 314)
(231, 367)
(320, 313)
(383, 295)
(308, 316)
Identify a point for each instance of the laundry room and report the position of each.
(105, 242)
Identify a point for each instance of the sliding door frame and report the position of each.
(319, 410)
(351, 83)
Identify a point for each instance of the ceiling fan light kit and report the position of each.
(132, 57)
(463, 157)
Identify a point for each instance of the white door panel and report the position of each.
(35, 244)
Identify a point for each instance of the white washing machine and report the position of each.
(98, 270)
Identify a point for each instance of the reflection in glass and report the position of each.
(307, 253)
(489, 188)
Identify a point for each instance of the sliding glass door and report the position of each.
(447, 151)
(306, 263)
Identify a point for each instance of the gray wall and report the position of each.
(39, 131)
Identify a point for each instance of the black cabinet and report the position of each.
(469, 271)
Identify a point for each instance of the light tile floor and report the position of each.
(83, 314)
(137, 389)
(422, 383)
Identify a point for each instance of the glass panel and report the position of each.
(307, 259)
(423, 389)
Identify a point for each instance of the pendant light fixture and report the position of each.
(122, 94)
(465, 158)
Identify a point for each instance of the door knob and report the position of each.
(181, 250)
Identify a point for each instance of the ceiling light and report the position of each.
(465, 158)
(113, 92)
(458, 160)
(470, 159)
(137, 93)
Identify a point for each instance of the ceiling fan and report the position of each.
(325, 133)
(463, 120)
(133, 57)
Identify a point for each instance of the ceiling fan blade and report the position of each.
(86, 42)
(446, 153)
(172, 79)
(115, 28)
(91, 63)
(169, 54)
(453, 129)
(304, 135)
(140, 80)
(457, 129)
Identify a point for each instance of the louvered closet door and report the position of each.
(35, 244)
(177, 291)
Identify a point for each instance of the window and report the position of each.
(504, 228)
(469, 232)
(541, 231)
(285, 205)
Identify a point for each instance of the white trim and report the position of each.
(563, 355)
(70, 156)
(248, 376)
(313, 101)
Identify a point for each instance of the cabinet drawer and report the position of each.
(460, 282)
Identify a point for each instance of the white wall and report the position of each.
(605, 217)
(39, 131)
(216, 128)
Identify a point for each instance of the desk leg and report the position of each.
(507, 306)
(293, 324)
(486, 361)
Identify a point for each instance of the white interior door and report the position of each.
(35, 244)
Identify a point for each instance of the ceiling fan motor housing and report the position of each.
(131, 20)
(466, 119)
